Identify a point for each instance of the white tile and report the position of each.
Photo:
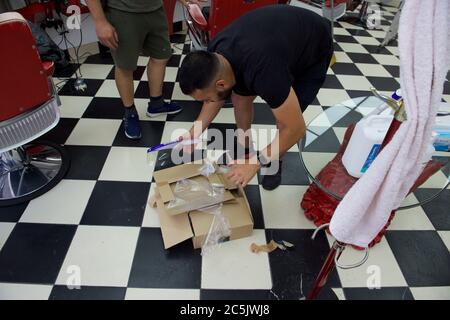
(258, 99)
(411, 219)
(381, 260)
(445, 235)
(311, 113)
(174, 129)
(5, 230)
(447, 97)
(394, 50)
(128, 164)
(347, 25)
(281, 208)
(377, 33)
(177, 94)
(104, 256)
(387, 59)
(95, 71)
(316, 161)
(170, 76)
(20, 291)
(263, 135)
(339, 293)
(233, 266)
(340, 133)
(352, 47)
(162, 294)
(341, 31)
(64, 204)
(73, 106)
(225, 115)
(142, 61)
(342, 57)
(437, 181)
(354, 82)
(373, 70)
(94, 132)
(367, 40)
(141, 107)
(431, 293)
(151, 219)
(331, 97)
(108, 89)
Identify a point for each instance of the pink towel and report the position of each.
(424, 44)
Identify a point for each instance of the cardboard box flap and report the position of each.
(177, 173)
(174, 229)
(165, 192)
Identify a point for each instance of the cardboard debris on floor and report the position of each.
(179, 224)
(271, 246)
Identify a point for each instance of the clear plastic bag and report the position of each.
(219, 230)
(193, 194)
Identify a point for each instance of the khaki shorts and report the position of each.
(145, 33)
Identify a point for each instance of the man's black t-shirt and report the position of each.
(271, 47)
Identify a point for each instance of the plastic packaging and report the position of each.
(193, 194)
(365, 143)
(218, 232)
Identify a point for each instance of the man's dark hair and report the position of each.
(198, 70)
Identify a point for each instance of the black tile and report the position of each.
(376, 49)
(222, 136)
(326, 142)
(447, 87)
(142, 90)
(346, 69)
(294, 271)
(191, 110)
(186, 48)
(164, 159)
(34, 253)
(359, 93)
(211, 294)
(92, 87)
(332, 82)
(337, 47)
(86, 161)
(154, 267)
(384, 84)
(422, 256)
(12, 213)
(393, 70)
(350, 118)
(104, 58)
(437, 210)
(104, 108)
(254, 199)
(151, 135)
(263, 114)
(174, 61)
(359, 33)
(362, 58)
(292, 172)
(61, 132)
(178, 38)
(389, 293)
(137, 74)
(88, 293)
(342, 38)
(116, 203)
(66, 72)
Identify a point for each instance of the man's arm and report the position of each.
(291, 126)
(105, 31)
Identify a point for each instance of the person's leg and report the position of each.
(157, 46)
(125, 58)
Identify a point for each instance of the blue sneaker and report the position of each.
(166, 108)
(132, 126)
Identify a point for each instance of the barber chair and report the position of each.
(28, 109)
(204, 24)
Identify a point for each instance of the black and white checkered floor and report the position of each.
(97, 219)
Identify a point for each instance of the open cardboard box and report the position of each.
(178, 226)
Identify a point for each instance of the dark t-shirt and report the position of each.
(272, 47)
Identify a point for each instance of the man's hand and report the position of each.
(107, 34)
(242, 173)
(189, 148)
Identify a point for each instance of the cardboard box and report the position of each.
(177, 226)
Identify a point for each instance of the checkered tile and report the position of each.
(98, 220)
